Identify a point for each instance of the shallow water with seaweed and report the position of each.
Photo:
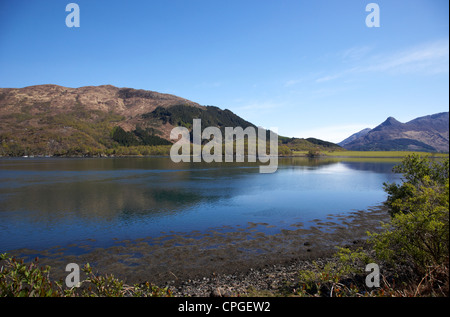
(50, 202)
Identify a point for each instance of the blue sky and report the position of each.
(309, 68)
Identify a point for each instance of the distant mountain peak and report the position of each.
(391, 121)
(428, 133)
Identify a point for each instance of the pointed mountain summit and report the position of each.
(390, 122)
(428, 133)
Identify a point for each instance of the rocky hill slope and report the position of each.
(96, 120)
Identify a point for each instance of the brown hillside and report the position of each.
(47, 107)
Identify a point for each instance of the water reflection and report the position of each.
(44, 202)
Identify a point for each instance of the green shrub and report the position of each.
(18, 279)
(415, 240)
(418, 234)
(344, 276)
(419, 174)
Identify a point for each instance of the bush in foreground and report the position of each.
(418, 235)
(18, 279)
(414, 246)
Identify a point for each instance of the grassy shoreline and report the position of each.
(328, 154)
(371, 154)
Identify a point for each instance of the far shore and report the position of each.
(371, 154)
(310, 154)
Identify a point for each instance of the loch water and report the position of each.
(61, 201)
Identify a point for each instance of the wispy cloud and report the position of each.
(327, 78)
(292, 82)
(355, 53)
(427, 59)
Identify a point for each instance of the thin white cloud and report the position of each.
(327, 78)
(427, 59)
(355, 53)
(291, 82)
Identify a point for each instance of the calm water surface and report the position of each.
(46, 202)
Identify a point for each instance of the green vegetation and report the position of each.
(343, 277)
(161, 150)
(29, 280)
(137, 137)
(374, 154)
(418, 234)
(301, 146)
(182, 115)
(414, 246)
(78, 133)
